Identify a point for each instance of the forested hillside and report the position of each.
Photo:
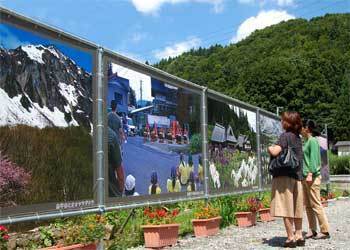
(299, 65)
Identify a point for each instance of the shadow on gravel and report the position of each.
(275, 241)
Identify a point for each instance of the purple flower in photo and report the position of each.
(13, 180)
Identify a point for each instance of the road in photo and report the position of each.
(141, 160)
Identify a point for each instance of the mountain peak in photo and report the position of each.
(40, 86)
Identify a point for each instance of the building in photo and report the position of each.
(343, 148)
(118, 90)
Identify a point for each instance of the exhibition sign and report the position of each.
(154, 137)
(232, 147)
(46, 121)
(84, 129)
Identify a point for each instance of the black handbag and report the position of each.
(286, 162)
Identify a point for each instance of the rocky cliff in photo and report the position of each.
(41, 87)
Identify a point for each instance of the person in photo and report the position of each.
(200, 170)
(183, 170)
(115, 168)
(173, 183)
(191, 187)
(154, 188)
(130, 183)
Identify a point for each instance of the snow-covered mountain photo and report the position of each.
(45, 120)
(41, 87)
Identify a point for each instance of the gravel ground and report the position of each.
(271, 235)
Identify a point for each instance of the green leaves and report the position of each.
(298, 65)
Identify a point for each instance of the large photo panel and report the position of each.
(232, 147)
(154, 137)
(270, 130)
(46, 123)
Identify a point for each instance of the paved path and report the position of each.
(272, 235)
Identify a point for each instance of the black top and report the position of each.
(295, 140)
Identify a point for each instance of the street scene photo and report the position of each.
(154, 138)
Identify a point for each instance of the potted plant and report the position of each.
(326, 197)
(264, 211)
(246, 215)
(207, 221)
(160, 229)
(4, 237)
(83, 235)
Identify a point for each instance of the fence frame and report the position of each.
(112, 57)
(102, 54)
(48, 32)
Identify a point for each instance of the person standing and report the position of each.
(115, 122)
(173, 183)
(287, 191)
(115, 167)
(184, 174)
(154, 188)
(191, 187)
(130, 183)
(312, 183)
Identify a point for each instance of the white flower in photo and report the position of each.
(214, 175)
(246, 174)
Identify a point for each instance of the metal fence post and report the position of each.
(204, 127)
(99, 138)
(258, 147)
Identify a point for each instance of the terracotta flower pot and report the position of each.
(91, 246)
(157, 236)
(245, 219)
(206, 227)
(265, 215)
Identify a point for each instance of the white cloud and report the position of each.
(130, 55)
(152, 6)
(177, 48)
(262, 20)
(137, 37)
(246, 1)
(285, 2)
(281, 3)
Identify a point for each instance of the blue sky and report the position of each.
(12, 37)
(154, 29)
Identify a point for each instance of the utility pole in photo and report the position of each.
(141, 93)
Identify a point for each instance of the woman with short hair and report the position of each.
(287, 191)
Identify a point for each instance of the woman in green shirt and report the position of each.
(312, 183)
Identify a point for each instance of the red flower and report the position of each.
(151, 215)
(6, 237)
(146, 211)
(175, 212)
(2, 228)
(161, 213)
